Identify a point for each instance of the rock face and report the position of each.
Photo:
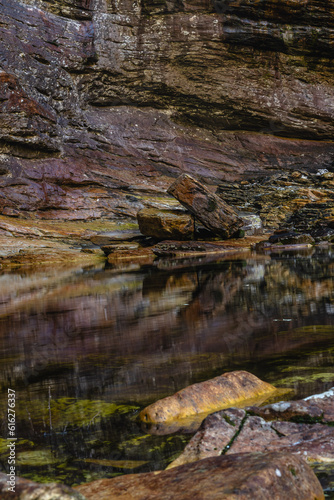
(240, 476)
(102, 103)
(303, 428)
(225, 390)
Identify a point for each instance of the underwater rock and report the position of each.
(241, 476)
(25, 489)
(302, 428)
(205, 397)
(212, 211)
(166, 224)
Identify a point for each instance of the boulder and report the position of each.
(166, 224)
(25, 489)
(205, 397)
(303, 428)
(212, 211)
(241, 476)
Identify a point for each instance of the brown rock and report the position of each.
(25, 489)
(125, 246)
(212, 211)
(112, 237)
(241, 476)
(226, 390)
(166, 224)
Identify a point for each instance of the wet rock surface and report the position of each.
(303, 428)
(298, 202)
(244, 476)
(222, 391)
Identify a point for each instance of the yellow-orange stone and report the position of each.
(207, 397)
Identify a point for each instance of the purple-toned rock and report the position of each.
(302, 428)
(241, 476)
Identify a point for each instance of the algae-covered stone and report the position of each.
(241, 476)
(207, 397)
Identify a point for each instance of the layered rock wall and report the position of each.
(102, 102)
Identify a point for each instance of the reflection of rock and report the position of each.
(212, 211)
(299, 427)
(166, 224)
(29, 489)
(205, 397)
(240, 476)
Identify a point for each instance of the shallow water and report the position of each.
(86, 349)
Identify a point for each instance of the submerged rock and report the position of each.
(205, 397)
(241, 476)
(213, 212)
(166, 224)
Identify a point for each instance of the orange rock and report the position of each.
(206, 397)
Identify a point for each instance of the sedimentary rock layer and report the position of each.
(102, 103)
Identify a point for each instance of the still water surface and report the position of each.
(86, 349)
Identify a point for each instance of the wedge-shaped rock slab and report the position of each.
(206, 397)
(240, 476)
(212, 211)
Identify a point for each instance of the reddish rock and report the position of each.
(213, 212)
(166, 224)
(303, 428)
(241, 476)
(103, 103)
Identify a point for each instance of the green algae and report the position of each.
(36, 458)
(321, 377)
(20, 443)
(59, 414)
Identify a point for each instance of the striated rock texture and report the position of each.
(102, 102)
(303, 428)
(241, 476)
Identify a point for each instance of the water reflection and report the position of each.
(85, 349)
